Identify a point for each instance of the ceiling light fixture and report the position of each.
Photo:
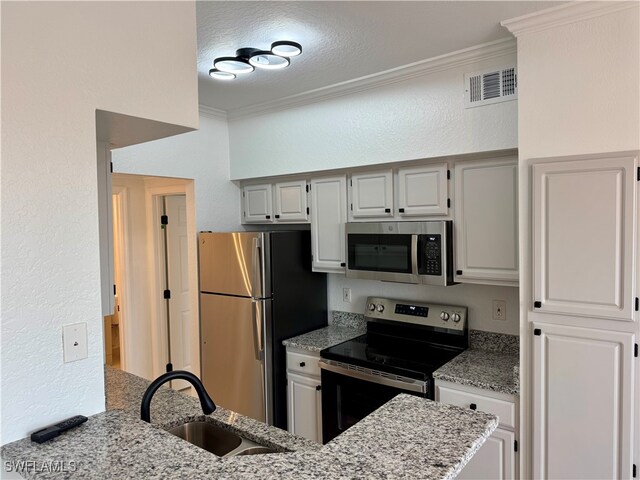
(286, 48)
(220, 75)
(235, 65)
(227, 68)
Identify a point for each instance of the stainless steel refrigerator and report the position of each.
(256, 289)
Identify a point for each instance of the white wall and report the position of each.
(62, 61)
(478, 299)
(411, 119)
(203, 156)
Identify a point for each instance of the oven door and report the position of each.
(350, 395)
(377, 256)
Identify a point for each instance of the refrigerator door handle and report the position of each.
(256, 284)
(256, 318)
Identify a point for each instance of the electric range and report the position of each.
(404, 344)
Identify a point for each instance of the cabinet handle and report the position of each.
(318, 387)
(537, 304)
(401, 210)
(473, 406)
(267, 217)
(277, 216)
(343, 264)
(302, 364)
(387, 210)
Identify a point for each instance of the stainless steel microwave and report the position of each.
(407, 252)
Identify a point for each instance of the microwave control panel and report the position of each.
(432, 255)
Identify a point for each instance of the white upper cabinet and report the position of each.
(486, 221)
(371, 194)
(291, 201)
(423, 190)
(257, 203)
(284, 202)
(584, 236)
(583, 402)
(328, 218)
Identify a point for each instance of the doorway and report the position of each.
(113, 340)
(156, 316)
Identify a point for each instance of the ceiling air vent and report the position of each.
(490, 86)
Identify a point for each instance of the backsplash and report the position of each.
(347, 319)
(477, 298)
(494, 342)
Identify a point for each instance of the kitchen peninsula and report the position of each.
(408, 437)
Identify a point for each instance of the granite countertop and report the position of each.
(408, 437)
(326, 337)
(485, 369)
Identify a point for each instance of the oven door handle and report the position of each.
(403, 383)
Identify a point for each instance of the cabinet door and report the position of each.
(328, 218)
(257, 203)
(486, 221)
(582, 402)
(291, 202)
(583, 236)
(372, 194)
(305, 407)
(423, 190)
(496, 459)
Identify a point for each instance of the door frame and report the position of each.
(121, 264)
(155, 190)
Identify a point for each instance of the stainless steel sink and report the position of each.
(217, 440)
(259, 450)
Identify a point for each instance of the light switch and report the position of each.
(74, 341)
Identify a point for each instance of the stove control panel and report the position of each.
(447, 317)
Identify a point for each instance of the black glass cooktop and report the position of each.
(399, 356)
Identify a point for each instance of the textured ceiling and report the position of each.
(341, 40)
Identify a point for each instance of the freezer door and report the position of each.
(232, 350)
(233, 264)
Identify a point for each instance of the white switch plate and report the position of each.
(346, 295)
(499, 310)
(74, 341)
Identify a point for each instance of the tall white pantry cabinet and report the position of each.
(584, 316)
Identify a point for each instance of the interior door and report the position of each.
(178, 276)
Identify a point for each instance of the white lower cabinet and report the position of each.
(583, 402)
(304, 395)
(497, 458)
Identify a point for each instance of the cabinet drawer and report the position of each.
(506, 411)
(302, 363)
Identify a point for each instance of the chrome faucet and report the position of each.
(205, 400)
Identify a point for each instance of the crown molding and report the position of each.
(455, 59)
(564, 14)
(212, 112)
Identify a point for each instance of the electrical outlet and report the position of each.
(346, 295)
(74, 342)
(499, 310)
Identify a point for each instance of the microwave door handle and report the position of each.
(414, 254)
